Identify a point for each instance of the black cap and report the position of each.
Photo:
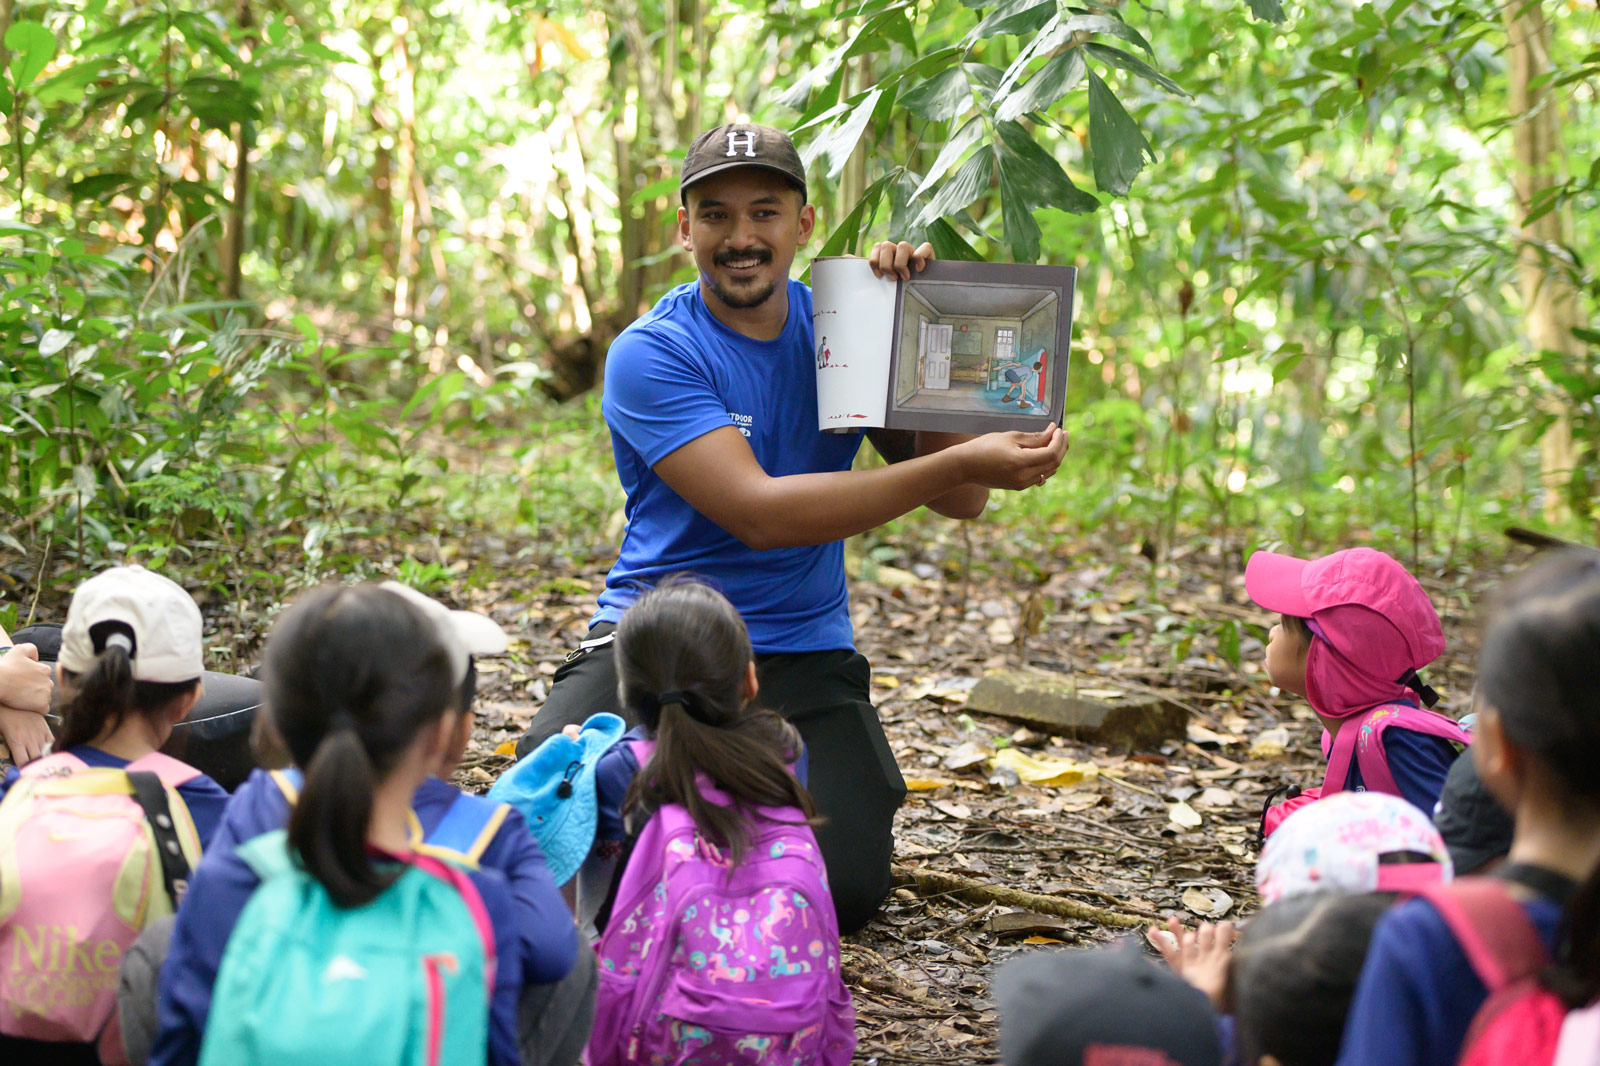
(1110, 1005)
(1476, 829)
(742, 145)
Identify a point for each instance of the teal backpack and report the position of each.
(404, 980)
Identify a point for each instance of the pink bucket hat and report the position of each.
(1340, 844)
(1361, 601)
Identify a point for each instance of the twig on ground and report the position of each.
(980, 892)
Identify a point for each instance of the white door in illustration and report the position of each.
(936, 373)
(1004, 345)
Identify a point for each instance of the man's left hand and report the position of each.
(889, 259)
(25, 733)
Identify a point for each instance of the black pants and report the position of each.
(852, 776)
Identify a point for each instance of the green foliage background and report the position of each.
(1296, 228)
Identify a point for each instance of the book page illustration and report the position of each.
(853, 319)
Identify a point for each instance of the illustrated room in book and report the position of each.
(975, 348)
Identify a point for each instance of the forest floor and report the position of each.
(1143, 834)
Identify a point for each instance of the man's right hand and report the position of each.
(25, 682)
(1014, 460)
(25, 734)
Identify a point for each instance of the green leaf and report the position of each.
(70, 83)
(1050, 35)
(1015, 17)
(32, 47)
(1134, 65)
(1022, 232)
(965, 138)
(1267, 10)
(1583, 333)
(1116, 145)
(948, 244)
(842, 240)
(654, 189)
(1110, 26)
(940, 98)
(1284, 367)
(98, 186)
(970, 179)
(1293, 133)
(1054, 80)
(835, 145)
(1030, 167)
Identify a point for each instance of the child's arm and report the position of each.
(1408, 997)
(1419, 765)
(218, 893)
(549, 938)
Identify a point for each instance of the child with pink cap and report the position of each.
(1356, 628)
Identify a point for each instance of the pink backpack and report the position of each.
(1362, 739)
(1522, 1023)
(88, 858)
(709, 963)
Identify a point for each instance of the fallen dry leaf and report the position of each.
(924, 784)
(1043, 770)
(1181, 814)
(1207, 902)
(1270, 743)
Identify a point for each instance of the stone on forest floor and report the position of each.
(1056, 703)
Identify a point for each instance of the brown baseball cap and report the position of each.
(742, 145)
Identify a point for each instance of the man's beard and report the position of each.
(754, 299)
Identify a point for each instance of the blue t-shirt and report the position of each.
(222, 885)
(677, 374)
(1418, 993)
(205, 798)
(1418, 762)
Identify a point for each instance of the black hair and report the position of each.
(352, 675)
(1537, 670)
(1293, 973)
(1300, 627)
(99, 699)
(683, 640)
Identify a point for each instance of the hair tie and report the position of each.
(682, 699)
(119, 640)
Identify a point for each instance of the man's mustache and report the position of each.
(761, 255)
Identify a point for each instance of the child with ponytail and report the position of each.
(722, 939)
(96, 840)
(1476, 955)
(396, 948)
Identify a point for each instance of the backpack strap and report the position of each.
(60, 762)
(642, 750)
(1370, 753)
(1340, 750)
(289, 781)
(457, 878)
(466, 829)
(151, 796)
(268, 854)
(1494, 932)
(172, 772)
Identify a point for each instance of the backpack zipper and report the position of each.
(431, 966)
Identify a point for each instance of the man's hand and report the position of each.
(1013, 460)
(25, 682)
(25, 733)
(898, 260)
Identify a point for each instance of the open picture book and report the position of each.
(962, 347)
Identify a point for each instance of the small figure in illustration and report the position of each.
(1019, 377)
(823, 353)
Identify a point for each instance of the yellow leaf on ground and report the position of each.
(924, 784)
(1043, 770)
(1041, 940)
(508, 747)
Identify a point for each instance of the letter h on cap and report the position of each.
(749, 140)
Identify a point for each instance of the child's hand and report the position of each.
(1200, 956)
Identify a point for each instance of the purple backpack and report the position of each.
(704, 963)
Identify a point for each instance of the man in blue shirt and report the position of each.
(712, 404)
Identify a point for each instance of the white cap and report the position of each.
(164, 618)
(1339, 844)
(465, 633)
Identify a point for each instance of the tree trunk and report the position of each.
(1549, 299)
(243, 142)
(405, 96)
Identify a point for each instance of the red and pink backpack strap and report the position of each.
(1494, 932)
(1361, 739)
(458, 879)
